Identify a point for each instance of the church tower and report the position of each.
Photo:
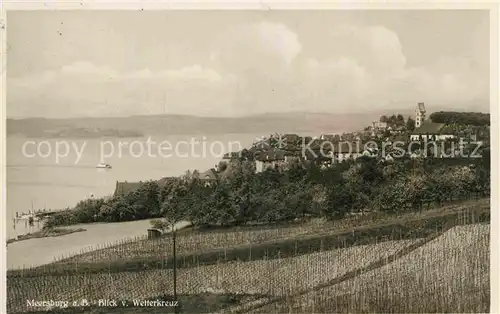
(419, 114)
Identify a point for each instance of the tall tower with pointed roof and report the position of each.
(419, 114)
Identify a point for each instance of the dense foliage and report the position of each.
(468, 118)
(410, 124)
(394, 120)
(304, 190)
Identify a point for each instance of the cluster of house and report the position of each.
(278, 150)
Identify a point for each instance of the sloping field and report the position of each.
(270, 277)
(191, 241)
(327, 271)
(448, 274)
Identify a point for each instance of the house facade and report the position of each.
(123, 188)
(430, 131)
(346, 151)
(209, 177)
(377, 125)
(269, 159)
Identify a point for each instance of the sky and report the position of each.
(235, 63)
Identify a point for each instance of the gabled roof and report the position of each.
(315, 143)
(310, 155)
(429, 128)
(400, 138)
(328, 136)
(210, 174)
(230, 155)
(421, 107)
(273, 154)
(291, 148)
(164, 180)
(348, 147)
(290, 137)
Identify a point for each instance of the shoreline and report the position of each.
(98, 235)
(47, 233)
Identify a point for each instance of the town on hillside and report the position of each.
(250, 161)
(455, 135)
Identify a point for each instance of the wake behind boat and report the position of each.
(102, 165)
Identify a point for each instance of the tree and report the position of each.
(391, 196)
(175, 202)
(222, 166)
(469, 118)
(195, 175)
(159, 224)
(416, 190)
(144, 201)
(393, 120)
(188, 175)
(87, 210)
(400, 120)
(297, 201)
(410, 124)
(384, 119)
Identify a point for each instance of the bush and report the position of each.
(467, 118)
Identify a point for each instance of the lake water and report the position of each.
(36, 252)
(42, 181)
(45, 181)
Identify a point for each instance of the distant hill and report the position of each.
(89, 133)
(297, 122)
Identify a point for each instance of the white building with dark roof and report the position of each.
(431, 131)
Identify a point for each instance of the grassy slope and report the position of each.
(278, 276)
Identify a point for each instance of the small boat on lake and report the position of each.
(102, 165)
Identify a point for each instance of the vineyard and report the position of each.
(198, 241)
(264, 277)
(447, 275)
(274, 264)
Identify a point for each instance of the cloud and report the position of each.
(83, 88)
(188, 73)
(278, 39)
(259, 48)
(256, 68)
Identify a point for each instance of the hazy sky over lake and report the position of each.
(228, 63)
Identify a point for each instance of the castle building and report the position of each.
(419, 114)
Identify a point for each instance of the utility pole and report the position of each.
(175, 267)
(173, 218)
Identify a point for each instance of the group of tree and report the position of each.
(394, 120)
(465, 118)
(303, 190)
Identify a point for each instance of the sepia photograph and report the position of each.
(248, 161)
